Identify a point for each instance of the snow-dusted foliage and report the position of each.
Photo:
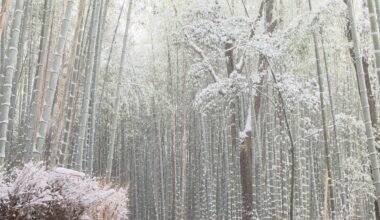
(357, 166)
(323, 19)
(217, 95)
(206, 30)
(37, 193)
(295, 40)
(300, 91)
(208, 26)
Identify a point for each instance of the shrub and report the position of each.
(59, 194)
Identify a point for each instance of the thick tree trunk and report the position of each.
(17, 78)
(3, 15)
(10, 69)
(98, 54)
(377, 4)
(233, 117)
(365, 68)
(246, 173)
(54, 74)
(87, 89)
(246, 154)
(33, 108)
(67, 97)
(70, 108)
(365, 107)
(370, 96)
(375, 35)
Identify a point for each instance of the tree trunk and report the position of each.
(10, 69)
(106, 72)
(68, 95)
(70, 108)
(87, 86)
(246, 172)
(17, 78)
(246, 154)
(117, 96)
(3, 15)
(54, 74)
(375, 35)
(98, 54)
(365, 107)
(33, 108)
(331, 198)
(341, 172)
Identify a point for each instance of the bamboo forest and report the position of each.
(189, 109)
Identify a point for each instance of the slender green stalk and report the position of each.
(117, 96)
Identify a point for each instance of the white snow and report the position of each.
(248, 122)
(35, 187)
(65, 171)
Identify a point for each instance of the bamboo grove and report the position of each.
(204, 109)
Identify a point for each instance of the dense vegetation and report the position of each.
(205, 109)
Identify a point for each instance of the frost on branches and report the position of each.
(219, 94)
(36, 193)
